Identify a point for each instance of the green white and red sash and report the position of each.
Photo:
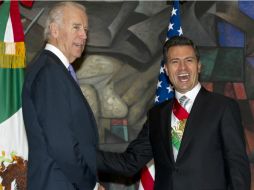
(180, 116)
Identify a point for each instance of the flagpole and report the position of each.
(34, 20)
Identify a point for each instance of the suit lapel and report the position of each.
(165, 119)
(75, 84)
(192, 122)
(65, 70)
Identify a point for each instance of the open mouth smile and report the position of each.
(183, 77)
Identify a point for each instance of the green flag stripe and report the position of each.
(4, 15)
(176, 141)
(11, 82)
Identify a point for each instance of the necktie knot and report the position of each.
(72, 72)
(184, 100)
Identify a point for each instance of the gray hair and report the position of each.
(55, 15)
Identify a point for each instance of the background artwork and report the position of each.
(119, 70)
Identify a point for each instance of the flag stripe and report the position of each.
(4, 15)
(147, 179)
(11, 81)
(13, 140)
(13, 137)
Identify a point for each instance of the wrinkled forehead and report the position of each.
(75, 15)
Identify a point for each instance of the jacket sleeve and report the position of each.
(137, 154)
(234, 148)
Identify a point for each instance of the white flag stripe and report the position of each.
(13, 136)
(140, 187)
(8, 36)
(151, 168)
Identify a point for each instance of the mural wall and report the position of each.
(118, 73)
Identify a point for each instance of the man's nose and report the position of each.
(83, 34)
(182, 64)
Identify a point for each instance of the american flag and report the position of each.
(164, 92)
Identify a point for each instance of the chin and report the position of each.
(77, 55)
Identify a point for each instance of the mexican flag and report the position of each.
(13, 141)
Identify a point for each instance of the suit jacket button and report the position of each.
(176, 169)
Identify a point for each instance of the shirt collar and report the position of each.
(190, 94)
(58, 53)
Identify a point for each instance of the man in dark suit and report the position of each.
(197, 143)
(60, 125)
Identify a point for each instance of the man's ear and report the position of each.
(199, 67)
(54, 30)
(166, 69)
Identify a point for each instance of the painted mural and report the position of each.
(119, 70)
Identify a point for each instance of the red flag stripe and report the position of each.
(147, 179)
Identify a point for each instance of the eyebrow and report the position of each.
(192, 57)
(78, 24)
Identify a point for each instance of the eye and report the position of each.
(86, 30)
(175, 61)
(189, 60)
(76, 27)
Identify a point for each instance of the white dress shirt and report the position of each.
(58, 53)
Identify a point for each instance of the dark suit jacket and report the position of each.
(60, 126)
(212, 154)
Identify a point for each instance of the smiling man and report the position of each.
(60, 126)
(196, 140)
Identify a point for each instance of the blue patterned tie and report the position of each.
(184, 101)
(72, 72)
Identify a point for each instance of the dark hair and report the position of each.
(179, 41)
